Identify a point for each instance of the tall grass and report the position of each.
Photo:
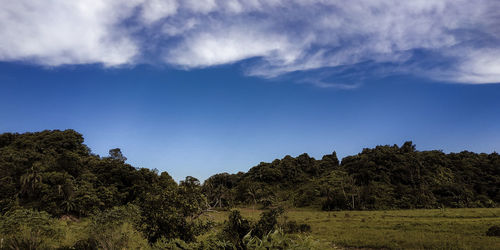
(396, 229)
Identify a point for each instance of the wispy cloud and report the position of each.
(450, 40)
(66, 32)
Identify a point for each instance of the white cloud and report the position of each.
(56, 32)
(223, 43)
(200, 6)
(479, 66)
(285, 35)
(227, 46)
(154, 10)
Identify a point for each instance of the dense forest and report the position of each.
(53, 174)
(385, 177)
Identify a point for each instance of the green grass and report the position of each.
(391, 229)
(395, 229)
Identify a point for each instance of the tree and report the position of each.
(268, 222)
(116, 154)
(169, 211)
(32, 180)
(235, 229)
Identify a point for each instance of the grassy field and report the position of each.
(395, 229)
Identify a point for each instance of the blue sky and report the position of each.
(201, 87)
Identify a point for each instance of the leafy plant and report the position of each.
(294, 227)
(268, 222)
(235, 229)
(493, 231)
(117, 228)
(30, 229)
(277, 239)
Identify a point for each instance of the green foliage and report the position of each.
(240, 233)
(493, 231)
(294, 227)
(123, 236)
(268, 184)
(401, 177)
(454, 228)
(171, 244)
(53, 171)
(86, 244)
(268, 222)
(170, 211)
(29, 229)
(277, 239)
(114, 217)
(385, 177)
(116, 228)
(219, 190)
(235, 229)
(207, 244)
(52, 174)
(116, 154)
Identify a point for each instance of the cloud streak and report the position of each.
(448, 40)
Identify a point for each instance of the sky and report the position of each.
(198, 87)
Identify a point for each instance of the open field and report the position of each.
(395, 229)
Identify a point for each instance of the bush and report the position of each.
(337, 202)
(268, 222)
(124, 236)
(116, 228)
(170, 244)
(294, 227)
(235, 229)
(215, 244)
(493, 231)
(30, 229)
(86, 244)
(277, 239)
(238, 233)
(178, 244)
(171, 212)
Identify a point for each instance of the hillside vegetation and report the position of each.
(385, 177)
(55, 193)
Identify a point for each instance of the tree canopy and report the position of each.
(385, 177)
(52, 174)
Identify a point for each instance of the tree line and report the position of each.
(53, 174)
(384, 177)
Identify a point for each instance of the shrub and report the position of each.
(30, 229)
(493, 231)
(86, 244)
(171, 212)
(170, 244)
(238, 233)
(294, 227)
(178, 244)
(215, 244)
(235, 229)
(116, 228)
(277, 239)
(268, 222)
(337, 202)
